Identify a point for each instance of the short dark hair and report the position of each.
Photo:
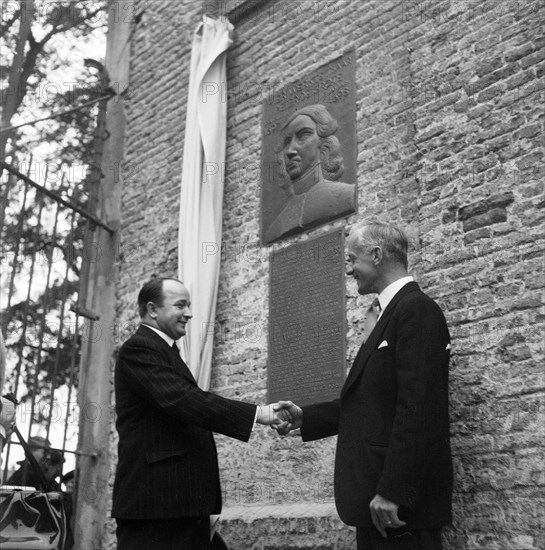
(152, 291)
(389, 237)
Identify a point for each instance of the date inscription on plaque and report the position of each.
(307, 320)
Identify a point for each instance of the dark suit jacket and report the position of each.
(392, 418)
(26, 476)
(167, 461)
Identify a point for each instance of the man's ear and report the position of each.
(151, 309)
(378, 255)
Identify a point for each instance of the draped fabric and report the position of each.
(202, 191)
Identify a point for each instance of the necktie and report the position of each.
(180, 361)
(370, 319)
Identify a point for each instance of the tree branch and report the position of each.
(31, 39)
(12, 99)
(66, 27)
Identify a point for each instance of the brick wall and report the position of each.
(155, 109)
(450, 146)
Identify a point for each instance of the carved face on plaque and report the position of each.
(308, 135)
(300, 146)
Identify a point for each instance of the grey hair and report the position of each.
(392, 240)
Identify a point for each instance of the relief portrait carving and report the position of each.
(311, 167)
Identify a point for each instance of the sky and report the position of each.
(70, 63)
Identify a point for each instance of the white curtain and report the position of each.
(202, 191)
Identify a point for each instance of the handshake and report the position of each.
(283, 416)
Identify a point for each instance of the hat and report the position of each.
(68, 476)
(38, 442)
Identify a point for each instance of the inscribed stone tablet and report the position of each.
(307, 320)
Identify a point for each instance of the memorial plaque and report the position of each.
(307, 320)
(308, 159)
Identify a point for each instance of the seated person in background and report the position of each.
(26, 475)
(52, 468)
(68, 480)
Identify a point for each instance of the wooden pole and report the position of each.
(95, 389)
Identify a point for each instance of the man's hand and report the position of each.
(268, 416)
(384, 514)
(291, 415)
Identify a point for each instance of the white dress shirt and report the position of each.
(164, 336)
(386, 296)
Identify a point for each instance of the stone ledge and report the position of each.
(301, 526)
(269, 511)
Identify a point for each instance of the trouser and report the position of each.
(164, 534)
(426, 539)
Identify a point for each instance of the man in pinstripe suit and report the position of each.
(167, 481)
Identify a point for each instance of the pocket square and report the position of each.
(383, 344)
(448, 346)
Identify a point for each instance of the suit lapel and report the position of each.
(158, 342)
(185, 369)
(371, 343)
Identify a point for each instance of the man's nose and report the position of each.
(187, 313)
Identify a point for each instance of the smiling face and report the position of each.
(300, 146)
(362, 265)
(172, 316)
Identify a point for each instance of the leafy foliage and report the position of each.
(41, 243)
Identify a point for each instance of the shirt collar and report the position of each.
(164, 336)
(386, 296)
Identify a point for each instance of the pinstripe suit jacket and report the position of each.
(167, 461)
